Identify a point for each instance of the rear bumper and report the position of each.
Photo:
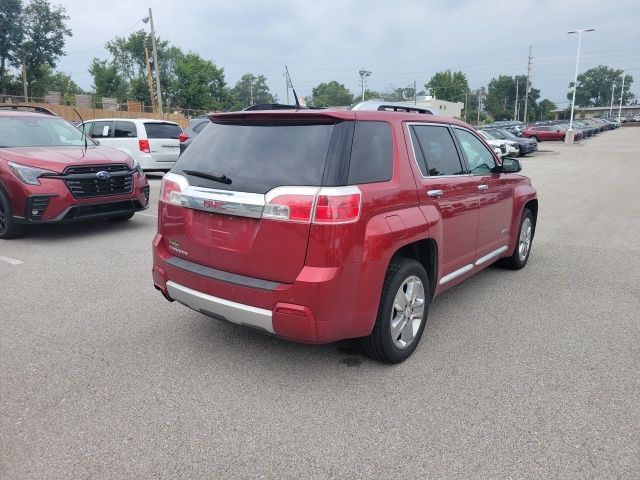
(216, 307)
(320, 306)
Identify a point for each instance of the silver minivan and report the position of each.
(154, 144)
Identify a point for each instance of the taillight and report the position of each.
(293, 204)
(171, 187)
(183, 137)
(338, 205)
(309, 204)
(144, 146)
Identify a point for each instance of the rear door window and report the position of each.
(258, 156)
(125, 130)
(435, 151)
(371, 154)
(162, 130)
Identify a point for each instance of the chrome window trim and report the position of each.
(415, 158)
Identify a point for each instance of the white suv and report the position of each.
(153, 143)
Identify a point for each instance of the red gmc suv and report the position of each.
(321, 225)
(50, 172)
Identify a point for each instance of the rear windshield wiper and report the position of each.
(222, 179)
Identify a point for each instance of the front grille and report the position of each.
(83, 182)
(146, 190)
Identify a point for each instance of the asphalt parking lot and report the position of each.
(529, 374)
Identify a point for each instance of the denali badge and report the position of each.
(102, 175)
(175, 247)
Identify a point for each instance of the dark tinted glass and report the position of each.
(198, 128)
(101, 129)
(162, 130)
(258, 157)
(125, 130)
(438, 154)
(371, 154)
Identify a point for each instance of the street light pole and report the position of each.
(155, 59)
(613, 89)
(621, 95)
(363, 73)
(575, 77)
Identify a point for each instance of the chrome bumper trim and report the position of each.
(220, 308)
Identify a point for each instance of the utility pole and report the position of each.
(24, 79)
(286, 85)
(527, 87)
(479, 103)
(515, 104)
(155, 63)
(613, 88)
(466, 103)
(621, 95)
(415, 94)
(150, 79)
(251, 89)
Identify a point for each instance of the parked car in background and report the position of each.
(320, 227)
(525, 145)
(50, 172)
(195, 126)
(507, 147)
(548, 132)
(154, 144)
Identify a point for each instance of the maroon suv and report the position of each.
(324, 225)
(50, 172)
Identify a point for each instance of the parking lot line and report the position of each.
(10, 261)
(146, 214)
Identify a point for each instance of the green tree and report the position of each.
(501, 97)
(402, 94)
(44, 32)
(202, 84)
(330, 94)
(594, 87)
(545, 110)
(49, 80)
(10, 34)
(106, 80)
(251, 89)
(448, 85)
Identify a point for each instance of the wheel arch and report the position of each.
(425, 251)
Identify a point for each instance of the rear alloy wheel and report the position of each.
(121, 218)
(523, 246)
(536, 138)
(8, 227)
(402, 313)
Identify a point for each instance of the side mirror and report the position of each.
(511, 165)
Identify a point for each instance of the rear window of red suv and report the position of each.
(258, 156)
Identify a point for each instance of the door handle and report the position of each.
(434, 193)
(483, 187)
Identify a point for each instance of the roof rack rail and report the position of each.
(35, 108)
(381, 106)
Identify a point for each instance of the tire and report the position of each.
(536, 138)
(122, 218)
(8, 227)
(393, 338)
(522, 250)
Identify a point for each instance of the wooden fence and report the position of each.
(68, 113)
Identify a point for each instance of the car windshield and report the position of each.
(32, 131)
(487, 135)
(507, 134)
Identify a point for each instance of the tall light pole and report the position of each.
(363, 73)
(621, 95)
(575, 77)
(613, 89)
(155, 59)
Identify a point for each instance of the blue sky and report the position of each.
(400, 42)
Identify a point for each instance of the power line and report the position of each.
(105, 43)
